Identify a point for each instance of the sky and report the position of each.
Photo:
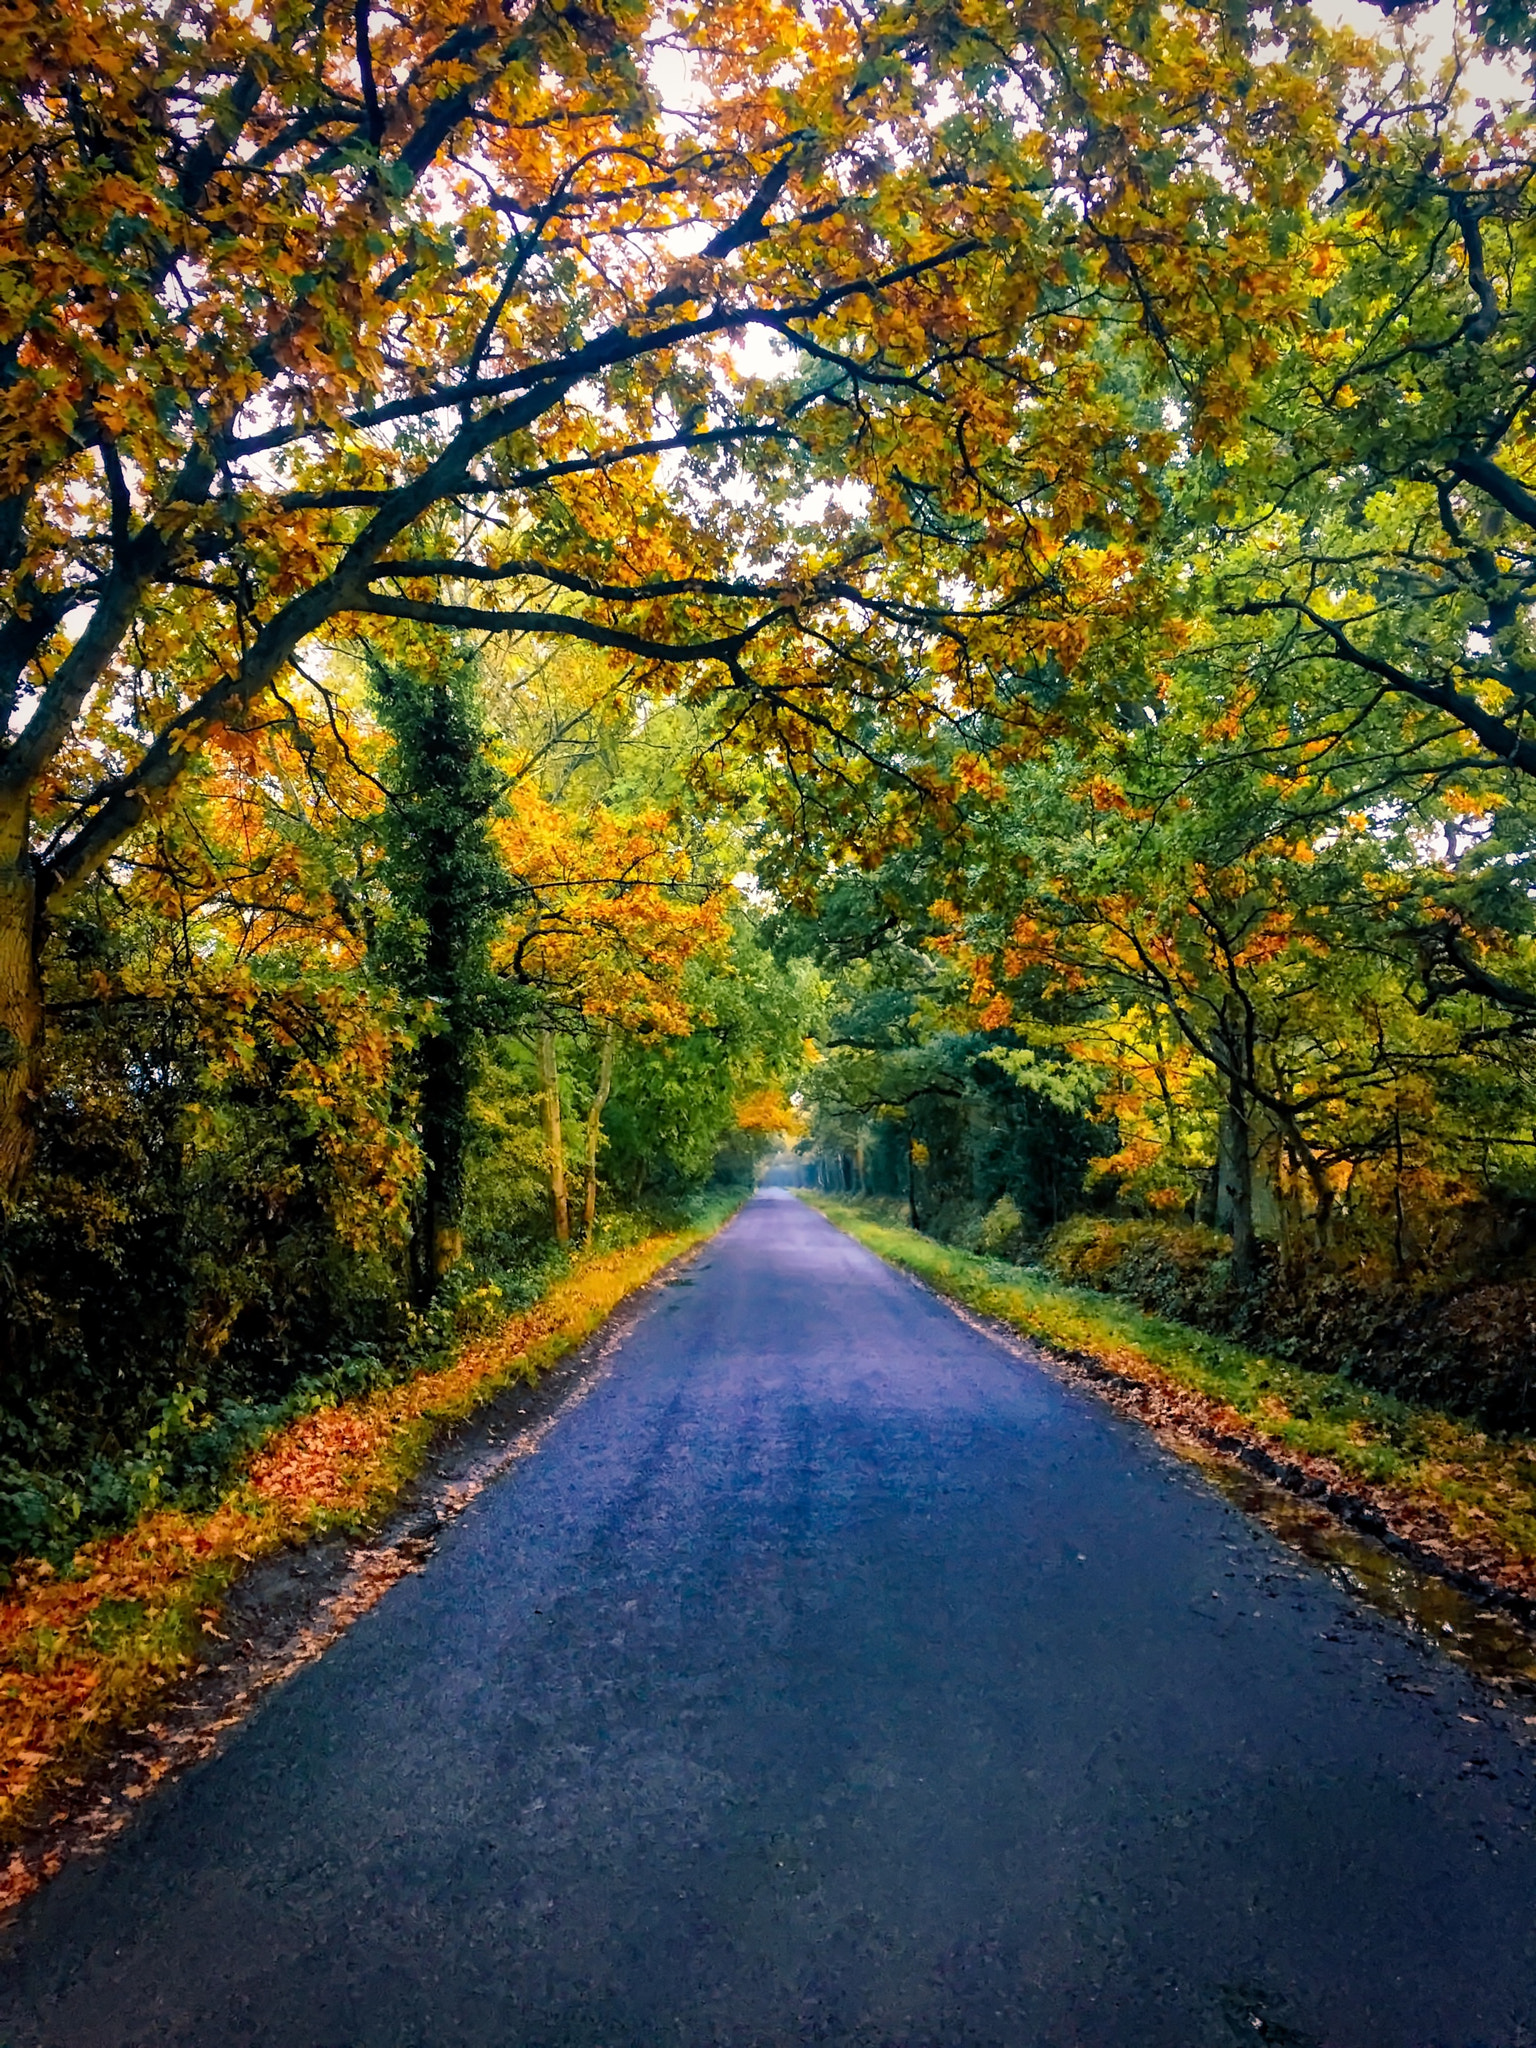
(1433, 28)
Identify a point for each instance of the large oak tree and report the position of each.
(314, 314)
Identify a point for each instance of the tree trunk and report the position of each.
(1265, 1154)
(442, 1106)
(444, 1083)
(595, 1130)
(549, 1078)
(21, 1013)
(912, 1188)
(1234, 1184)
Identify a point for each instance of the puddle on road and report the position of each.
(1488, 1639)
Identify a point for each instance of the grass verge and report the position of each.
(1460, 1493)
(86, 1651)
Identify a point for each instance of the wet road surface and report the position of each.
(830, 1675)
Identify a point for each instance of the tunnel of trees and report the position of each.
(593, 590)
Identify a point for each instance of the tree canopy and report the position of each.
(330, 316)
(587, 589)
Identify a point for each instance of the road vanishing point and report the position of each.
(830, 1674)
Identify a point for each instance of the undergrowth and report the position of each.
(90, 1641)
(1459, 1337)
(200, 1434)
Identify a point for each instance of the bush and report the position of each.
(1465, 1346)
(1002, 1229)
(1169, 1269)
(955, 1221)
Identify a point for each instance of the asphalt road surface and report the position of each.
(830, 1675)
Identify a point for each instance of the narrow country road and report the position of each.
(831, 1675)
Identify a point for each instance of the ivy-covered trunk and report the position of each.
(21, 1010)
(447, 893)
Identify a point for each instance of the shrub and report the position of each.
(1002, 1229)
(1171, 1269)
(1467, 1346)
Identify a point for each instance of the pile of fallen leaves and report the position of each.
(86, 1652)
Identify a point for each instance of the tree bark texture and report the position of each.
(1234, 1183)
(21, 1012)
(595, 1130)
(444, 1111)
(549, 1081)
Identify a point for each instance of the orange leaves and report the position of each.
(307, 299)
(994, 1011)
(1105, 795)
(327, 1461)
(1032, 944)
(971, 773)
(88, 1651)
(614, 914)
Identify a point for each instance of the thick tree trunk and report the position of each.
(1265, 1153)
(549, 1081)
(595, 1131)
(21, 1013)
(1234, 1184)
(444, 1076)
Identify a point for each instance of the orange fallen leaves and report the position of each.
(85, 1652)
(322, 1461)
(338, 1458)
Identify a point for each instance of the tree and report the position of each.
(1382, 509)
(447, 896)
(1281, 943)
(605, 914)
(322, 316)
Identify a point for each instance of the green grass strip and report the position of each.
(1486, 1484)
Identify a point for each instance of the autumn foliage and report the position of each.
(590, 589)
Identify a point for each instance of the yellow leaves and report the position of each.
(614, 915)
(770, 1111)
(367, 285)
